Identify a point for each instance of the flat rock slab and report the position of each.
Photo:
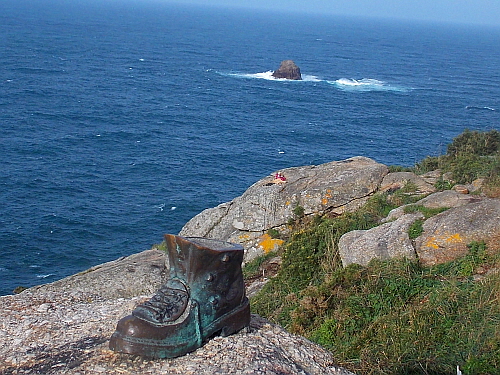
(334, 187)
(441, 199)
(64, 328)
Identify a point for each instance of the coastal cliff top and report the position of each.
(64, 328)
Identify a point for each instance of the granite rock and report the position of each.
(445, 236)
(288, 70)
(64, 328)
(332, 188)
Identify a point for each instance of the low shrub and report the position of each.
(416, 229)
(274, 233)
(471, 155)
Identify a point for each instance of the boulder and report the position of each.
(288, 70)
(441, 199)
(399, 180)
(445, 236)
(386, 241)
(432, 177)
(447, 199)
(64, 328)
(334, 187)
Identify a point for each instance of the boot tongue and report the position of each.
(168, 303)
(176, 284)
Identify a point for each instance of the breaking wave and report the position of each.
(365, 84)
(269, 76)
(473, 107)
(344, 84)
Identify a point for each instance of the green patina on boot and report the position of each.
(204, 296)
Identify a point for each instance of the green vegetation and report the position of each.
(311, 255)
(274, 233)
(391, 317)
(396, 316)
(416, 229)
(442, 184)
(471, 155)
(162, 246)
(410, 187)
(298, 211)
(427, 212)
(252, 268)
(19, 289)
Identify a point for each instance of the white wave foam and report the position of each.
(480, 108)
(365, 84)
(310, 78)
(269, 76)
(346, 84)
(45, 276)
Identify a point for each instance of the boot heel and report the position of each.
(237, 320)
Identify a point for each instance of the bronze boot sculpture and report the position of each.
(204, 296)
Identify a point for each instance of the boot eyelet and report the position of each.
(225, 258)
(214, 301)
(210, 277)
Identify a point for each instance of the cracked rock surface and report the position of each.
(64, 328)
(334, 187)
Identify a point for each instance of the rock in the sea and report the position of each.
(288, 70)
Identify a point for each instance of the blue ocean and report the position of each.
(120, 121)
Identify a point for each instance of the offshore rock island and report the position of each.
(288, 70)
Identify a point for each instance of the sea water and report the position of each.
(119, 121)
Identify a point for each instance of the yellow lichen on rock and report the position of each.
(267, 243)
(434, 241)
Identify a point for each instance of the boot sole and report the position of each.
(230, 322)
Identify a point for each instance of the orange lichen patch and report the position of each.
(434, 241)
(327, 196)
(244, 236)
(287, 203)
(269, 244)
(454, 238)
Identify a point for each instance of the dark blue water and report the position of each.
(121, 121)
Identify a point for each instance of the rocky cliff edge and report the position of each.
(64, 328)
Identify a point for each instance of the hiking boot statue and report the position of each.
(203, 297)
